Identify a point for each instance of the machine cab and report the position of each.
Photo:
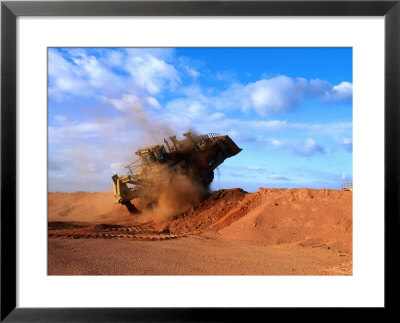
(152, 154)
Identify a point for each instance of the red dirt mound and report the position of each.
(308, 217)
(85, 207)
(210, 213)
(305, 217)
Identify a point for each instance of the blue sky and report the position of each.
(289, 109)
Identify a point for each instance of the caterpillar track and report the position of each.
(104, 231)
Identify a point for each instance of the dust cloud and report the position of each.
(169, 194)
(111, 144)
(102, 145)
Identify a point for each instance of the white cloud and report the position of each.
(116, 130)
(146, 72)
(301, 147)
(346, 143)
(278, 94)
(196, 109)
(62, 76)
(74, 72)
(114, 58)
(152, 73)
(226, 76)
(282, 94)
(341, 92)
(275, 142)
(269, 125)
(127, 102)
(257, 168)
(72, 131)
(307, 147)
(192, 72)
(153, 102)
(216, 115)
(187, 108)
(60, 119)
(265, 128)
(279, 177)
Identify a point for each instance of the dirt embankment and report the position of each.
(305, 217)
(308, 217)
(232, 232)
(85, 207)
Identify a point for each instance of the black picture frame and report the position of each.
(10, 10)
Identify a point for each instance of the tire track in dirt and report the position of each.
(195, 220)
(110, 232)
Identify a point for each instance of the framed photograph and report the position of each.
(175, 160)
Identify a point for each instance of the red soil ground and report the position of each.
(270, 232)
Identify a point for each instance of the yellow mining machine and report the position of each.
(195, 157)
(347, 187)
